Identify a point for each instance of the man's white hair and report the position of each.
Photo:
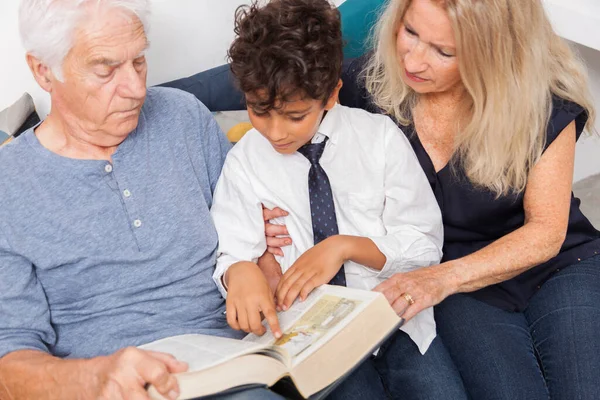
(48, 27)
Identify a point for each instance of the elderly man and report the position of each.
(106, 241)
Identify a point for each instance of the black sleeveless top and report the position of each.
(474, 218)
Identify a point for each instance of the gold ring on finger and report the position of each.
(408, 299)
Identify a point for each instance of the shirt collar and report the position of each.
(330, 125)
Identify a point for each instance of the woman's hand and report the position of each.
(411, 292)
(277, 235)
(314, 268)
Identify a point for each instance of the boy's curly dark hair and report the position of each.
(287, 48)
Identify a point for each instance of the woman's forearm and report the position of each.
(546, 203)
(509, 256)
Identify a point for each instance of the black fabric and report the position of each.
(353, 92)
(32, 120)
(474, 218)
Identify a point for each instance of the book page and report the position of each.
(310, 324)
(202, 351)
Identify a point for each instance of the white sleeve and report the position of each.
(237, 215)
(411, 215)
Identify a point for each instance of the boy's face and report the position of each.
(292, 124)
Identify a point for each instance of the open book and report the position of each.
(324, 339)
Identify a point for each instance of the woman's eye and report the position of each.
(444, 54)
(410, 31)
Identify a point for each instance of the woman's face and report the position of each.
(427, 49)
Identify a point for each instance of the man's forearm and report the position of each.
(30, 374)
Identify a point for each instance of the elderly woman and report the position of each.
(493, 102)
(98, 252)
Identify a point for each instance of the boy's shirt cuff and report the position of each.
(397, 261)
(224, 262)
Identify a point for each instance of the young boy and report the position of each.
(360, 207)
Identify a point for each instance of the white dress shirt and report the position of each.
(379, 191)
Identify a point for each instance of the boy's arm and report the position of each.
(411, 215)
(321, 263)
(237, 215)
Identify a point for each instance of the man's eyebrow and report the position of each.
(105, 61)
(112, 63)
(144, 50)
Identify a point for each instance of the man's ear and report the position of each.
(41, 73)
(335, 95)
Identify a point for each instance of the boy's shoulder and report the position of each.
(251, 140)
(374, 136)
(359, 113)
(358, 119)
(361, 125)
(252, 144)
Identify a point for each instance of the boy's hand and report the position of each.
(248, 296)
(314, 268)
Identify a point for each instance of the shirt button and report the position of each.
(137, 223)
(108, 168)
(126, 193)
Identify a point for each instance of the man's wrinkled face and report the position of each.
(104, 77)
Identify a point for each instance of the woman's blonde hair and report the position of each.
(511, 63)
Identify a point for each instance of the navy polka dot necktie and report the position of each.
(324, 222)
